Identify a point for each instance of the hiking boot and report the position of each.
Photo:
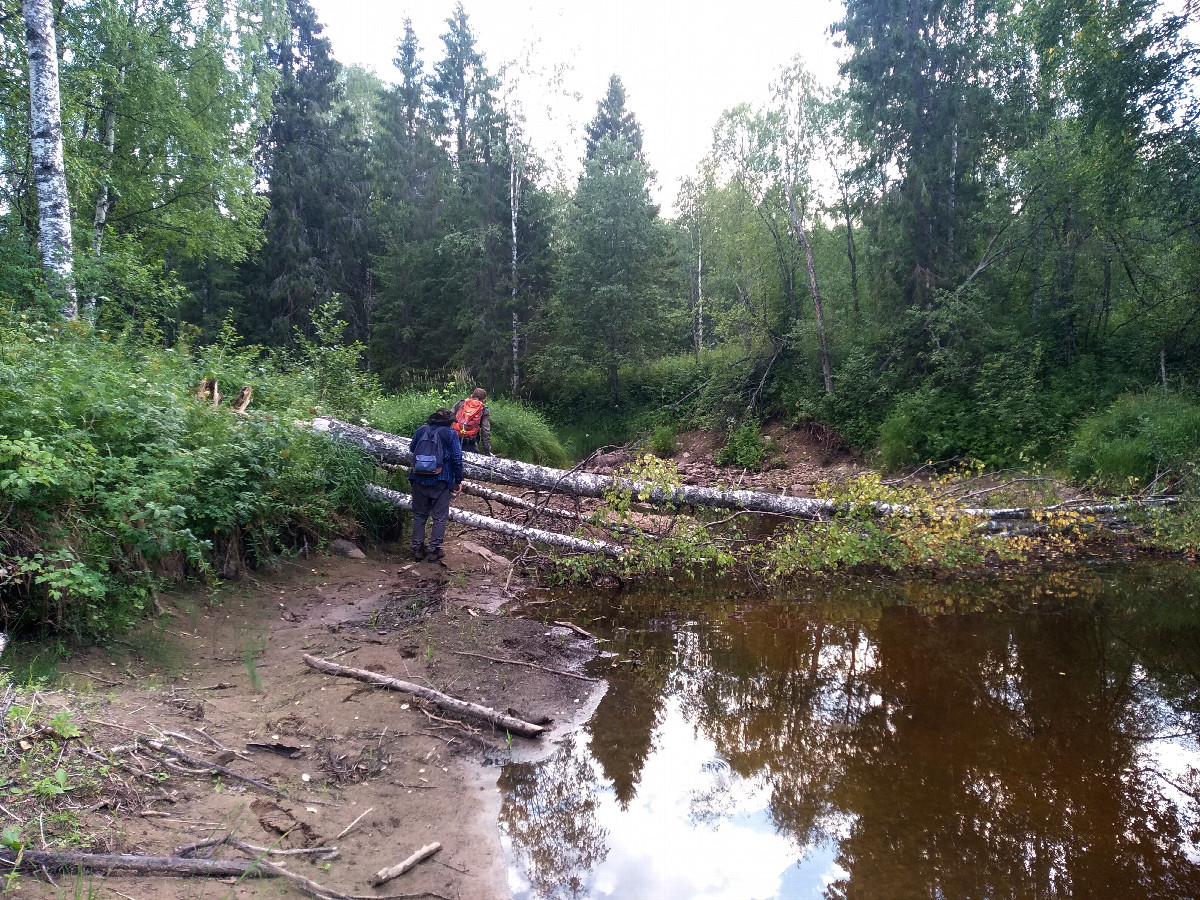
(436, 555)
(419, 552)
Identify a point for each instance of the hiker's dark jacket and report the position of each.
(452, 473)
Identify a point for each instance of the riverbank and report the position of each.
(227, 670)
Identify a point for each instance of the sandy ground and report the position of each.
(408, 773)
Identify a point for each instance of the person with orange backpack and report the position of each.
(473, 423)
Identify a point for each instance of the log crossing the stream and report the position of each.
(393, 450)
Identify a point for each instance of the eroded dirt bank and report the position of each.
(228, 670)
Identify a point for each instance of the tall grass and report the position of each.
(518, 432)
(1143, 437)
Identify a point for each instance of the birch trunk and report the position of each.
(514, 201)
(474, 520)
(104, 195)
(46, 147)
(698, 329)
(393, 450)
(810, 265)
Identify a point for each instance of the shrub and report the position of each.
(112, 472)
(744, 448)
(999, 413)
(662, 441)
(1140, 436)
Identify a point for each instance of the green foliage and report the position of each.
(1175, 529)
(662, 441)
(1139, 439)
(920, 531)
(744, 448)
(996, 410)
(115, 477)
(610, 304)
(686, 547)
(336, 367)
(519, 432)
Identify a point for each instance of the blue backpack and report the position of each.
(429, 454)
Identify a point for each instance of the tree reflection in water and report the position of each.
(549, 813)
(961, 755)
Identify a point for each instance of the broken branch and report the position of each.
(212, 767)
(445, 701)
(395, 871)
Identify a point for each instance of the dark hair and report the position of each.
(442, 417)
(479, 394)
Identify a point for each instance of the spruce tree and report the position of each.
(614, 121)
(319, 232)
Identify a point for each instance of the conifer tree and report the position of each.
(613, 121)
(319, 231)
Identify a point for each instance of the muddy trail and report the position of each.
(338, 763)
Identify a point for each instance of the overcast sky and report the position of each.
(682, 61)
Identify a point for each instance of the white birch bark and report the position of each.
(474, 520)
(698, 332)
(818, 308)
(514, 201)
(46, 146)
(393, 450)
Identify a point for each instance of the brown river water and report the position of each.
(1024, 737)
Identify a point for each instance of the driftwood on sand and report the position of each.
(445, 701)
(107, 864)
(400, 868)
(207, 766)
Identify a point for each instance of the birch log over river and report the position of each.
(392, 449)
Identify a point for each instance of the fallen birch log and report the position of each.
(476, 490)
(184, 866)
(399, 869)
(445, 701)
(393, 450)
(71, 860)
(537, 535)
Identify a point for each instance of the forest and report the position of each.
(979, 246)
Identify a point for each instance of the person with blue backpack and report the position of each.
(436, 478)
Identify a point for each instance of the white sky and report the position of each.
(682, 61)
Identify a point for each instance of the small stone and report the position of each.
(346, 548)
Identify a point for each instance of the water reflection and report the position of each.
(858, 745)
(549, 817)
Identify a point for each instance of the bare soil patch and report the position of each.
(797, 459)
(227, 670)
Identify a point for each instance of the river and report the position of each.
(1025, 736)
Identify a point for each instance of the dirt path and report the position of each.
(229, 671)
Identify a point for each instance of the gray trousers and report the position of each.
(428, 501)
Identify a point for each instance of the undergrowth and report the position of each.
(870, 525)
(115, 477)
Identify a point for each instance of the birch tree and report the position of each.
(46, 147)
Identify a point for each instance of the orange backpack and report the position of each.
(470, 414)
